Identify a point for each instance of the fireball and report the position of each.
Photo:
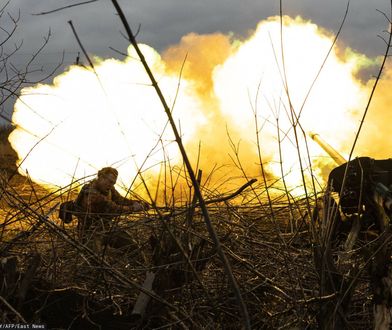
(245, 102)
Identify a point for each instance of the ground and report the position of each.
(271, 253)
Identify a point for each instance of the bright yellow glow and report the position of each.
(90, 123)
(117, 119)
(254, 77)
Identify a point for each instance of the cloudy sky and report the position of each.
(164, 22)
(219, 79)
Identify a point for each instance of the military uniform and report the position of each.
(96, 209)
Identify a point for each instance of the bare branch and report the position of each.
(189, 168)
(81, 45)
(66, 7)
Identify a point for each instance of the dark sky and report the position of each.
(164, 22)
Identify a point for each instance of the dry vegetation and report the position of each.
(58, 281)
(291, 268)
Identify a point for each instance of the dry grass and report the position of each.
(273, 265)
(274, 249)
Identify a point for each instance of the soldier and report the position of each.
(97, 204)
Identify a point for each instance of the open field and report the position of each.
(237, 221)
(271, 251)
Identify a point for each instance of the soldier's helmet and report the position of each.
(106, 171)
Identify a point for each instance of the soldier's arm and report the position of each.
(132, 204)
(102, 204)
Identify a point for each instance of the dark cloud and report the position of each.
(164, 22)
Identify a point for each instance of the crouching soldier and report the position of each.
(97, 204)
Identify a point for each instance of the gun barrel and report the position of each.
(338, 158)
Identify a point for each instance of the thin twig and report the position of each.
(5, 302)
(65, 7)
(189, 168)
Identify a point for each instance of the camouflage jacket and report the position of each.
(95, 208)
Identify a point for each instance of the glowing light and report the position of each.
(254, 76)
(87, 120)
(89, 123)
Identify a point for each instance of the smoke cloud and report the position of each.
(237, 103)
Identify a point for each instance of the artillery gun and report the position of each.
(362, 184)
(355, 219)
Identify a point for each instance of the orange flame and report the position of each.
(87, 120)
